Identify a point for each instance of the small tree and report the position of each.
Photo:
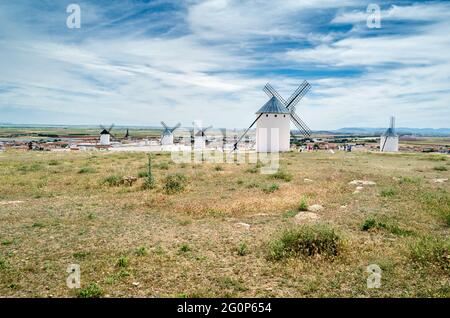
(149, 181)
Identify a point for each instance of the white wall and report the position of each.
(104, 139)
(167, 139)
(273, 133)
(390, 144)
(199, 142)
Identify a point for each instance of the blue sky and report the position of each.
(140, 62)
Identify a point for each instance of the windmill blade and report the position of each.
(298, 96)
(110, 128)
(269, 90)
(175, 128)
(245, 132)
(205, 129)
(102, 127)
(304, 130)
(164, 125)
(295, 93)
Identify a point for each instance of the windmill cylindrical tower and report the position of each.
(273, 127)
(105, 137)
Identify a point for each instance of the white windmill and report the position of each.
(105, 135)
(389, 139)
(199, 136)
(273, 120)
(167, 134)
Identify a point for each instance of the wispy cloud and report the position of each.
(138, 62)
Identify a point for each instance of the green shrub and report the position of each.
(91, 291)
(3, 263)
(142, 174)
(431, 251)
(290, 214)
(242, 249)
(303, 206)
(410, 180)
(271, 188)
(163, 166)
(141, 251)
(252, 185)
(389, 192)
(368, 224)
(282, 175)
(305, 241)
(184, 248)
(112, 180)
(86, 170)
(218, 168)
(53, 163)
(440, 168)
(175, 183)
(122, 262)
(252, 170)
(149, 182)
(372, 223)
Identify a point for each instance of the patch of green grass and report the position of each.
(86, 170)
(141, 251)
(91, 291)
(53, 163)
(184, 248)
(229, 283)
(434, 158)
(271, 188)
(3, 263)
(7, 242)
(80, 255)
(371, 223)
(242, 249)
(252, 185)
(142, 174)
(305, 241)
(163, 166)
(431, 251)
(303, 206)
(410, 180)
(175, 183)
(123, 262)
(91, 215)
(290, 214)
(437, 202)
(282, 175)
(440, 168)
(112, 180)
(38, 225)
(252, 170)
(388, 192)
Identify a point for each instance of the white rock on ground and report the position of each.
(362, 182)
(442, 180)
(307, 180)
(315, 208)
(10, 202)
(305, 217)
(244, 225)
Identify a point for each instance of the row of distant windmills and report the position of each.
(273, 133)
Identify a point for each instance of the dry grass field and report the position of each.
(224, 230)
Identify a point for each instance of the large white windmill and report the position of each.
(273, 120)
(105, 135)
(167, 134)
(389, 139)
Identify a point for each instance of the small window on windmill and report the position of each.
(267, 115)
(284, 116)
(275, 115)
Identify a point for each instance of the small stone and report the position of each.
(362, 182)
(315, 208)
(136, 284)
(244, 225)
(343, 206)
(304, 217)
(441, 180)
(307, 180)
(359, 188)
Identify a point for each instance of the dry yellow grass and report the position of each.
(63, 214)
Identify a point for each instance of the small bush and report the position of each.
(252, 170)
(282, 175)
(3, 263)
(272, 188)
(122, 262)
(86, 170)
(389, 192)
(372, 223)
(218, 168)
(175, 183)
(141, 251)
(112, 180)
(410, 180)
(303, 206)
(440, 168)
(142, 174)
(252, 185)
(289, 214)
(242, 249)
(184, 248)
(53, 163)
(91, 291)
(305, 241)
(369, 224)
(431, 251)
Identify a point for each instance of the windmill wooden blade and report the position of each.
(102, 127)
(298, 95)
(272, 92)
(110, 128)
(304, 130)
(175, 128)
(164, 125)
(296, 92)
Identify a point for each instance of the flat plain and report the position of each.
(222, 230)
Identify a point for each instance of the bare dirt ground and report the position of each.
(213, 238)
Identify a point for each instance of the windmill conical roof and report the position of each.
(273, 106)
(104, 132)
